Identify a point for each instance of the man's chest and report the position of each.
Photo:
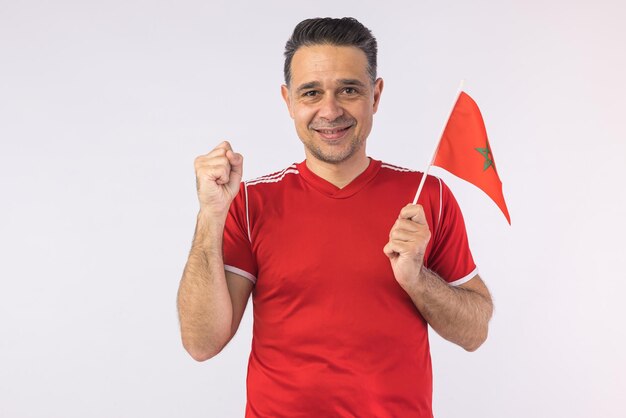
(315, 247)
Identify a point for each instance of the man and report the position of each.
(344, 274)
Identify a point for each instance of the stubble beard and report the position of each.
(334, 157)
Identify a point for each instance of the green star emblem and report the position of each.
(486, 152)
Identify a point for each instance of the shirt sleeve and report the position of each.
(450, 256)
(238, 255)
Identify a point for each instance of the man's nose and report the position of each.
(330, 108)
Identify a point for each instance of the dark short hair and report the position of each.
(346, 31)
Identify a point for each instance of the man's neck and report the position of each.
(339, 174)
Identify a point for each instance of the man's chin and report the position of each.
(332, 157)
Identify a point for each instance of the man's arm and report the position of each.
(211, 301)
(459, 314)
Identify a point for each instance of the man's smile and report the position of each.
(333, 133)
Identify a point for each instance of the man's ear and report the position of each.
(284, 91)
(378, 90)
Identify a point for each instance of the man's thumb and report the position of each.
(236, 169)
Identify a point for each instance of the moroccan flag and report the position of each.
(465, 152)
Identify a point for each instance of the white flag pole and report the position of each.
(432, 157)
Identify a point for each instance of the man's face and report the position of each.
(332, 101)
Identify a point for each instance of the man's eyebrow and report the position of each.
(351, 82)
(342, 82)
(309, 85)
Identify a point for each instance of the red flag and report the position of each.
(465, 152)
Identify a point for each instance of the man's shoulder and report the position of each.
(399, 171)
(276, 178)
(408, 176)
(396, 168)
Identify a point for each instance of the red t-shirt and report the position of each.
(334, 334)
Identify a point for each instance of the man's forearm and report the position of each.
(460, 315)
(204, 304)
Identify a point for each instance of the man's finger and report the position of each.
(406, 225)
(389, 250)
(403, 235)
(413, 212)
(236, 161)
(225, 145)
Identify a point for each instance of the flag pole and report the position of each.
(432, 157)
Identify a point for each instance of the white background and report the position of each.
(104, 105)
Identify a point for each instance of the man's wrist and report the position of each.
(210, 227)
(212, 217)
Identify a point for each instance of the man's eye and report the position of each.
(350, 90)
(311, 93)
